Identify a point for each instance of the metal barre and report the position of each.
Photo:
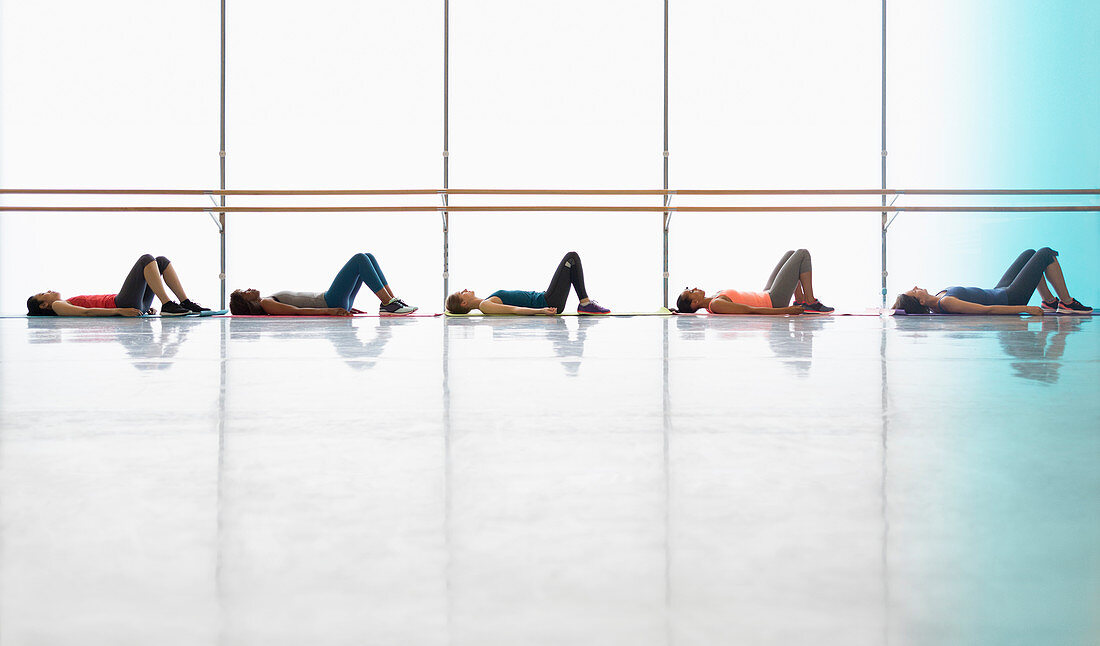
(527, 191)
(551, 209)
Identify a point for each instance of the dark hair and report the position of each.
(910, 305)
(683, 303)
(34, 308)
(455, 305)
(239, 306)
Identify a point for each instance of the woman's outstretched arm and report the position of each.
(275, 308)
(722, 305)
(958, 306)
(488, 306)
(65, 308)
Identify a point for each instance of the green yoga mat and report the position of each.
(660, 312)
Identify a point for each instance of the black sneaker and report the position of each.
(396, 307)
(193, 306)
(1050, 306)
(172, 308)
(816, 307)
(1073, 307)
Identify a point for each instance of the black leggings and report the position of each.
(568, 273)
(1023, 276)
(135, 291)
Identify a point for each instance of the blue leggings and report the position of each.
(360, 268)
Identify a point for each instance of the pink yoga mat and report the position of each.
(353, 316)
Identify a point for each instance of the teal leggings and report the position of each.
(360, 268)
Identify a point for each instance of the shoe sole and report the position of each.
(396, 313)
(592, 313)
(816, 312)
(179, 314)
(1076, 312)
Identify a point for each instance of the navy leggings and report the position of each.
(360, 268)
(568, 274)
(135, 291)
(1023, 276)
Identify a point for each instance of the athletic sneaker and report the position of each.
(1073, 307)
(1050, 306)
(592, 307)
(172, 308)
(816, 307)
(193, 306)
(396, 307)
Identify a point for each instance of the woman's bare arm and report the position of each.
(65, 308)
(958, 306)
(722, 305)
(491, 306)
(275, 308)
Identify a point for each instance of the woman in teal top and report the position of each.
(548, 303)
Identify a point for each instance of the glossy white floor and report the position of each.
(630, 481)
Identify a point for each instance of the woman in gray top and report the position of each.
(337, 300)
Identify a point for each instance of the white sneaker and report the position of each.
(396, 307)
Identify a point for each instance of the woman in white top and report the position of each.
(337, 300)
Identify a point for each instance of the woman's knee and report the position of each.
(369, 256)
(1047, 251)
(162, 263)
(145, 259)
(572, 255)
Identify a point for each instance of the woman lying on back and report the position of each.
(147, 278)
(1009, 296)
(337, 300)
(568, 273)
(792, 277)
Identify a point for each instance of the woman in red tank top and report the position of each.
(792, 276)
(147, 278)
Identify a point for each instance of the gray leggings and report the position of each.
(784, 278)
(135, 291)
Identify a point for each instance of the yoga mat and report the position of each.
(902, 313)
(804, 314)
(353, 316)
(144, 316)
(660, 312)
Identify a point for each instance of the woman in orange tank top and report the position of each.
(792, 276)
(147, 278)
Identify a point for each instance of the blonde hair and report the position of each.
(455, 304)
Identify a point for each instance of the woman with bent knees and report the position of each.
(791, 277)
(530, 303)
(337, 300)
(1031, 270)
(147, 278)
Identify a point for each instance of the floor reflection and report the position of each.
(1036, 346)
(790, 338)
(345, 334)
(1038, 349)
(567, 335)
(149, 346)
(792, 341)
(701, 480)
